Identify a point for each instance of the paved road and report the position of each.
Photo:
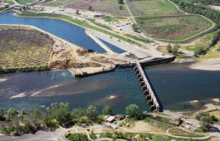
(45, 135)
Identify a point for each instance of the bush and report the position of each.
(134, 112)
(90, 8)
(200, 114)
(205, 123)
(169, 48)
(106, 135)
(107, 110)
(92, 136)
(12, 112)
(213, 118)
(77, 137)
(121, 1)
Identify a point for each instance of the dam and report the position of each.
(153, 101)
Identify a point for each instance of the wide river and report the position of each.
(173, 83)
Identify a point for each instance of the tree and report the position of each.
(77, 11)
(11, 113)
(37, 113)
(121, 1)
(121, 7)
(133, 111)
(200, 114)
(213, 118)
(107, 110)
(23, 111)
(90, 8)
(91, 112)
(205, 123)
(2, 114)
(77, 113)
(169, 48)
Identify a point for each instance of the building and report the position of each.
(110, 119)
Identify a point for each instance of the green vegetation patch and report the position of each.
(98, 24)
(25, 1)
(180, 132)
(77, 137)
(142, 39)
(153, 8)
(10, 2)
(175, 28)
(23, 48)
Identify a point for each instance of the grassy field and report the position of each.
(98, 24)
(153, 8)
(137, 38)
(10, 2)
(21, 48)
(180, 132)
(25, 1)
(109, 6)
(173, 28)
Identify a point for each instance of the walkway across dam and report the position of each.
(148, 92)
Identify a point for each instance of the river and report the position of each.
(173, 83)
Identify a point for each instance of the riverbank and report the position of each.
(207, 64)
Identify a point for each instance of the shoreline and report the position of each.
(207, 64)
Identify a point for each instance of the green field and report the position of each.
(109, 6)
(25, 1)
(153, 8)
(175, 28)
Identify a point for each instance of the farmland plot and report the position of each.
(173, 28)
(153, 8)
(23, 48)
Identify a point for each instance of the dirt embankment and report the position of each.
(80, 61)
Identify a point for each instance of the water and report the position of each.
(173, 83)
(112, 47)
(67, 31)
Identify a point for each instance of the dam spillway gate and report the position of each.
(150, 95)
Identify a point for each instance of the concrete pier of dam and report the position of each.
(146, 87)
(107, 49)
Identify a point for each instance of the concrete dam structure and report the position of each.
(153, 101)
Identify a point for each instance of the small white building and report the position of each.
(110, 119)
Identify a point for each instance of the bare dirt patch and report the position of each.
(141, 127)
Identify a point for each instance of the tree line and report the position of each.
(55, 116)
(201, 9)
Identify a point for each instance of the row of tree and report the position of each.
(55, 116)
(201, 9)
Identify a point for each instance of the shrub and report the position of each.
(107, 110)
(90, 8)
(134, 112)
(121, 1)
(11, 113)
(213, 118)
(77, 137)
(169, 48)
